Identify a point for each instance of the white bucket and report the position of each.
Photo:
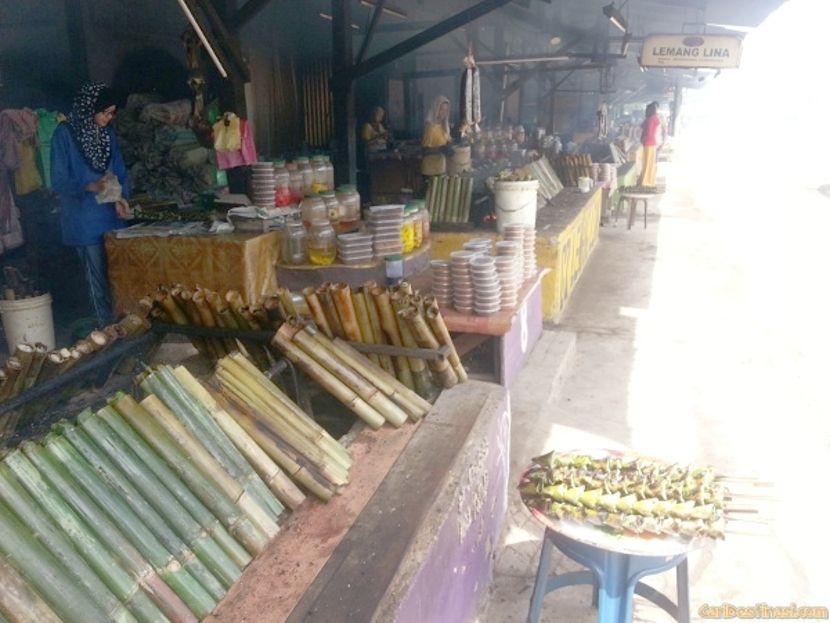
(28, 320)
(515, 203)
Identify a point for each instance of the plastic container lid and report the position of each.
(302, 159)
(347, 188)
(327, 193)
(279, 162)
(317, 158)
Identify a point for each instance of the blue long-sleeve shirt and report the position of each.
(83, 220)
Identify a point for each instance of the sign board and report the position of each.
(691, 51)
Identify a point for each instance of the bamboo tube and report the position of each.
(134, 324)
(13, 368)
(157, 493)
(385, 361)
(387, 409)
(25, 354)
(167, 303)
(325, 378)
(258, 312)
(420, 373)
(179, 399)
(362, 313)
(439, 328)
(56, 541)
(390, 329)
(222, 318)
(326, 300)
(317, 313)
(207, 319)
(287, 301)
(177, 576)
(404, 287)
(400, 393)
(245, 321)
(201, 459)
(19, 602)
(145, 306)
(425, 339)
(99, 340)
(59, 588)
(341, 295)
(85, 347)
(92, 523)
(207, 346)
(2, 379)
(156, 517)
(274, 309)
(194, 493)
(51, 366)
(445, 199)
(70, 360)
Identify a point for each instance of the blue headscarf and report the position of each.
(94, 142)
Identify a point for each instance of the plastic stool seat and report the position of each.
(615, 578)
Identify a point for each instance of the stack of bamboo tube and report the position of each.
(201, 307)
(449, 198)
(148, 512)
(397, 316)
(570, 168)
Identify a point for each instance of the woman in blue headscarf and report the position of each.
(84, 151)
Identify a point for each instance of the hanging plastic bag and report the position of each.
(227, 133)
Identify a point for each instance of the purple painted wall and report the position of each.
(459, 566)
(518, 343)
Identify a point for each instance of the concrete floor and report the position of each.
(701, 339)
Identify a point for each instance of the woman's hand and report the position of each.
(97, 187)
(123, 209)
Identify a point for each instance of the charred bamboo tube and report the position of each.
(56, 584)
(262, 318)
(405, 288)
(57, 541)
(362, 313)
(390, 329)
(209, 346)
(426, 339)
(51, 366)
(206, 318)
(25, 354)
(134, 324)
(176, 575)
(420, 373)
(72, 357)
(13, 368)
(145, 306)
(203, 460)
(360, 385)
(341, 294)
(186, 550)
(326, 379)
(222, 317)
(19, 601)
(179, 398)
(385, 361)
(188, 488)
(167, 303)
(139, 572)
(242, 320)
(286, 301)
(274, 309)
(330, 310)
(439, 328)
(114, 333)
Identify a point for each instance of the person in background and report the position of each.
(84, 151)
(649, 140)
(437, 129)
(374, 134)
(520, 136)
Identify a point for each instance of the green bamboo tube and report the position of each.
(267, 438)
(341, 295)
(317, 313)
(426, 339)
(19, 602)
(468, 198)
(309, 445)
(58, 587)
(374, 321)
(199, 472)
(166, 386)
(436, 214)
(57, 542)
(430, 200)
(456, 199)
(193, 491)
(123, 552)
(329, 381)
(329, 309)
(449, 214)
(420, 372)
(193, 391)
(280, 484)
(445, 199)
(87, 542)
(381, 403)
(390, 329)
(362, 313)
(176, 575)
(439, 328)
(160, 496)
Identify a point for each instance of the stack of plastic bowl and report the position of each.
(508, 267)
(515, 233)
(529, 266)
(479, 245)
(385, 224)
(355, 248)
(262, 185)
(442, 282)
(462, 281)
(486, 286)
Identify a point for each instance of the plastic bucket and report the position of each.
(515, 203)
(28, 320)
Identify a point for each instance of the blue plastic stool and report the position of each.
(615, 578)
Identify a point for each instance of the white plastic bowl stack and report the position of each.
(479, 246)
(515, 233)
(462, 281)
(529, 267)
(486, 285)
(262, 185)
(355, 248)
(442, 282)
(385, 224)
(508, 268)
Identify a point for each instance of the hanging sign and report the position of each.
(692, 51)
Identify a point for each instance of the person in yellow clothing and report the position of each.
(374, 134)
(650, 139)
(437, 128)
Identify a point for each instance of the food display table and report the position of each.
(243, 262)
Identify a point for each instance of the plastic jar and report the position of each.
(295, 182)
(282, 184)
(319, 175)
(293, 250)
(332, 206)
(313, 208)
(423, 213)
(329, 172)
(408, 231)
(304, 166)
(322, 243)
(349, 205)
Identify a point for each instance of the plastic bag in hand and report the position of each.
(112, 189)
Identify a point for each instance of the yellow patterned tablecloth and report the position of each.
(244, 262)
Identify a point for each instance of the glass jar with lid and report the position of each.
(322, 243)
(282, 184)
(295, 182)
(332, 206)
(319, 175)
(423, 213)
(408, 228)
(313, 208)
(293, 250)
(349, 200)
(329, 172)
(304, 165)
